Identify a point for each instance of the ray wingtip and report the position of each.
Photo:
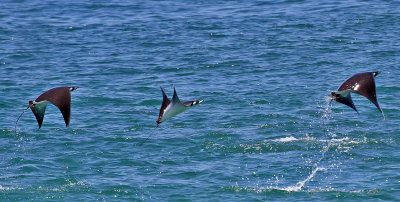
(376, 73)
(355, 109)
(162, 90)
(175, 93)
(39, 124)
(380, 109)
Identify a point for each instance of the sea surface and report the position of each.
(265, 70)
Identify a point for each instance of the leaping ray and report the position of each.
(60, 97)
(170, 108)
(361, 83)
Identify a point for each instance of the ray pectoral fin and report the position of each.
(175, 98)
(191, 103)
(39, 110)
(366, 87)
(346, 99)
(165, 101)
(66, 112)
(370, 94)
(164, 105)
(65, 108)
(375, 101)
(376, 73)
(160, 117)
(172, 110)
(63, 103)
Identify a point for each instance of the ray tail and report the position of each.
(164, 105)
(15, 128)
(148, 137)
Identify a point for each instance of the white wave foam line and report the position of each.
(309, 139)
(346, 140)
(331, 141)
(301, 184)
(6, 188)
(286, 139)
(292, 139)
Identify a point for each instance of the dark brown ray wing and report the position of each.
(347, 101)
(60, 97)
(164, 105)
(363, 84)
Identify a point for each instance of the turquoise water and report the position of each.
(263, 69)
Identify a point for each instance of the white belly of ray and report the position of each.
(173, 109)
(344, 93)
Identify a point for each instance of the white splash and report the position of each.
(6, 188)
(326, 111)
(286, 139)
(301, 184)
(325, 116)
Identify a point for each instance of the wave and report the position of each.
(345, 140)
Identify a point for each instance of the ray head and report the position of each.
(335, 96)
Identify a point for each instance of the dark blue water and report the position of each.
(263, 68)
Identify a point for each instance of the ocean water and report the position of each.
(265, 70)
